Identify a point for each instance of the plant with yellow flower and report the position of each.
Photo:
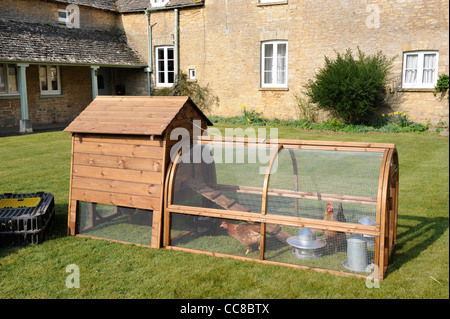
(253, 116)
(398, 117)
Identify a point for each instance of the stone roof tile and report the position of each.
(98, 4)
(47, 43)
(139, 5)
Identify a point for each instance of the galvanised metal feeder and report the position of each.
(357, 254)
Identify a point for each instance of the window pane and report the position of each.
(411, 61)
(170, 76)
(429, 65)
(12, 79)
(43, 78)
(268, 63)
(281, 64)
(428, 76)
(411, 76)
(281, 75)
(170, 65)
(411, 68)
(54, 77)
(170, 53)
(160, 54)
(162, 78)
(161, 66)
(268, 50)
(281, 52)
(2, 80)
(268, 77)
(62, 15)
(429, 61)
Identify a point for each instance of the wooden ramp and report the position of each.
(230, 204)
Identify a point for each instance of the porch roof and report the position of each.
(47, 43)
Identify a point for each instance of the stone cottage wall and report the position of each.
(222, 41)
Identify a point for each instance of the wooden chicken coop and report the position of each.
(120, 154)
(329, 206)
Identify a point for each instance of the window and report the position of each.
(420, 69)
(165, 71)
(63, 16)
(192, 75)
(274, 64)
(9, 79)
(158, 3)
(49, 80)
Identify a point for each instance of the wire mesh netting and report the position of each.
(306, 181)
(223, 177)
(216, 235)
(285, 244)
(326, 185)
(115, 222)
(320, 249)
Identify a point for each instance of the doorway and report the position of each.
(104, 81)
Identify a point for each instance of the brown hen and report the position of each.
(248, 235)
(334, 238)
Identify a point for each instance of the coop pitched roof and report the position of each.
(133, 115)
(47, 43)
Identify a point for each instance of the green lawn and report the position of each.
(41, 162)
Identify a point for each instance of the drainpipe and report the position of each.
(175, 50)
(149, 68)
(149, 43)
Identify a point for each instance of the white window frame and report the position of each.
(66, 18)
(192, 74)
(274, 83)
(420, 68)
(272, 1)
(50, 90)
(158, 3)
(6, 79)
(166, 70)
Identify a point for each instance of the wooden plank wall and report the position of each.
(116, 170)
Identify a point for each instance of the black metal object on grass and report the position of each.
(25, 218)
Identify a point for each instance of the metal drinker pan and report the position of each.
(305, 244)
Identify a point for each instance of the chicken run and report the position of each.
(328, 206)
(325, 205)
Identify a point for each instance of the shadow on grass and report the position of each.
(415, 235)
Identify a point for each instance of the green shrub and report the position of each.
(389, 125)
(442, 85)
(352, 89)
